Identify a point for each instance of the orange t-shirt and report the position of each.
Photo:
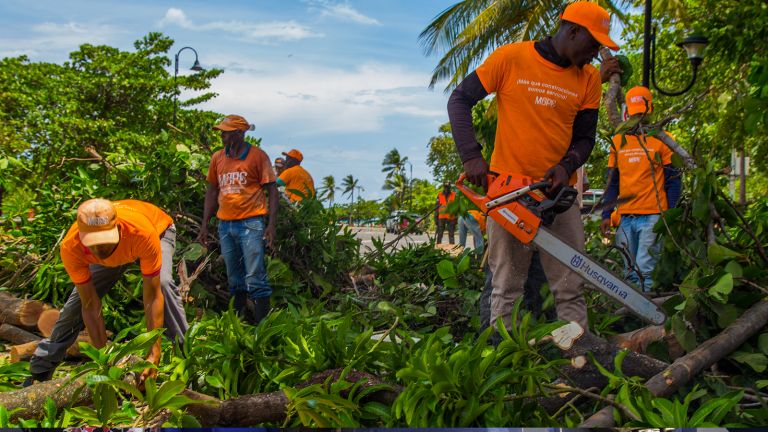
(441, 214)
(140, 225)
(538, 102)
(299, 179)
(637, 173)
(240, 182)
(479, 217)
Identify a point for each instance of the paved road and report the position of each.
(367, 234)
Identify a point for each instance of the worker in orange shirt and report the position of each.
(243, 195)
(297, 181)
(641, 175)
(443, 219)
(474, 222)
(99, 247)
(548, 97)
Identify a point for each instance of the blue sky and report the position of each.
(342, 81)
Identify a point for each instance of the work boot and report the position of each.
(37, 377)
(262, 309)
(240, 303)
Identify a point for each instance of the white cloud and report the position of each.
(253, 31)
(343, 12)
(314, 100)
(51, 39)
(177, 17)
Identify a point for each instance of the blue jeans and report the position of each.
(242, 246)
(635, 235)
(468, 223)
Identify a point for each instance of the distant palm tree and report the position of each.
(398, 184)
(393, 163)
(348, 186)
(468, 31)
(328, 190)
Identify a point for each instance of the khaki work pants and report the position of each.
(509, 260)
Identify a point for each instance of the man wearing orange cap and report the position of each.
(444, 219)
(548, 99)
(241, 183)
(297, 181)
(106, 238)
(641, 175)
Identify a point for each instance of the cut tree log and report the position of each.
(25, 351)
(251, 410)
(582, 373)
(47, 321)
(16, 335)
(705, 355)
(19, 312)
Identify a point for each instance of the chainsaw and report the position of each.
(519, 205)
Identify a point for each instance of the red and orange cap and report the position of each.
(233, 122)
(592, 17)
(636, 100)
(97, 222)
(295, 154)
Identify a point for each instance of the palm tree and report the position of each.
(393, 163)
(398, 184)
(328, 189)
(348, 186)
(467, 32)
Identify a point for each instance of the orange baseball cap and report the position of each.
(592, 17)
(233, 122)
(97, 222)
(636, 101)
(295, 154)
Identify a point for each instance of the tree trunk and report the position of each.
(25, 351)
(687, 367)
(250, 410)
(19, 312)
(64, 392)
(16, 335)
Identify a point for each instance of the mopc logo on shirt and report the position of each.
(231, 178)
(547, 102)
(232, 182)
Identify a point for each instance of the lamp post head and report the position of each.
(694, 46)
(196, 67)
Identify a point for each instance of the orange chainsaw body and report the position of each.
(513, 216)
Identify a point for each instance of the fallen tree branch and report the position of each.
(687, 367)
(612, 94)
(29, 402)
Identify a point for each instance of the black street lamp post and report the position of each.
(410, 187)
(693, 45)
(195, 67)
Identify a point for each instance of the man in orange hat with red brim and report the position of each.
(243, 195)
